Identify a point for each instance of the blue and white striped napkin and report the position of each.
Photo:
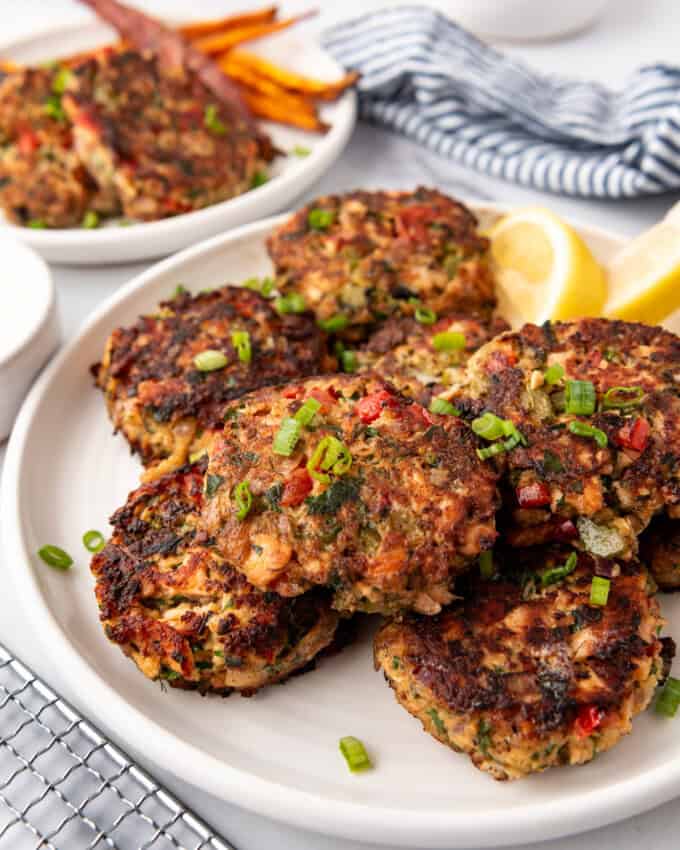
(426, 77)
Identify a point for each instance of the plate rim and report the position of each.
(300, 808)
(71, 238)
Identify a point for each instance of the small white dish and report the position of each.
(29, 327)
(277, 753)
(290, 175)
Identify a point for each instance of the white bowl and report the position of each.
(29, 327)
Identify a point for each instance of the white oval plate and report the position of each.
(291, 175)
(276, 753)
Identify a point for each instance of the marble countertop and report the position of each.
(624, 38)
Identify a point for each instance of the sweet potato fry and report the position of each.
(238, 61)
(223, 41)
(7, 67)
(200, 29)
(294, 112)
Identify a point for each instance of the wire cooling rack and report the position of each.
(64, 786)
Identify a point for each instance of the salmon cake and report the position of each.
(182, 614)
(43, 183)
(527, 672)
(660, 550)
(168, 378)
(358, 258)
(162, 142)
(596, 404)
(340, 481)
(424, 359)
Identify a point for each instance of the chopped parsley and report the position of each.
(213, 484)
(342, 490)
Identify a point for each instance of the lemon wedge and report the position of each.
(544, 270)
(644, 277)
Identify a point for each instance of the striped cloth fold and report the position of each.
(433, 81)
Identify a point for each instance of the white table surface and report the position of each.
(631, 33)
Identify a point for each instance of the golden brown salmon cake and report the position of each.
(374, 496)
(43, 183)
(158, 393)
(163, 142)
(183, 614)
(526, 673)
(422, 360)
(359, 258)
(660, 550)
(598, 406)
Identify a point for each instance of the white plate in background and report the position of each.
(290, 175)
(277, 753)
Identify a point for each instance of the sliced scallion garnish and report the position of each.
(293, 303)
(599, 590)
(330, 455)
(355, 754)
(443, 407)
(622, 398)
(308, 411)
(286, 437)
(580, 398)
(241, 342)
(669, 699)
(320, 219)
(582, 429)
(334, 324)
(488, 426)
(553, 374)
(448, 341)
(425, 315)
(212, 120)
(244, 500)
(94, 541)
(348, 361)
(210, 360)
(55, 557)
(90, 220)
(558, 573)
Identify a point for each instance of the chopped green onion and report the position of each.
(489, 426)
(348, 360)
(179, 290)
(308, 411)
(287, 436)
(244, 500)
(355, 754)
(93, 541)
(622, 398)
(212, 121)
(320, 219)
(558, 573)
(259, 179)
(425, 316)
(444, 407)
(241, 342)
(491, 451)
(55, 557)
(448, 341)
(264, 286)
(336, 323)
(330, 455)
(90, 220)
(210, 360)
(293, 303)
(37, 224)
(669, 698)
(582, 429)
(54, 109)
(553, 374)
(580, 398)
(61, 80)
(598, 539)
(301, 150)
(599, 590)
(486, 569)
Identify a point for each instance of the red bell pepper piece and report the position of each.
(371, 406)
(634, 435)
(297, 488)
(588, 719)
(534, 495)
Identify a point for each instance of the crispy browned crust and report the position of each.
(660, 550)
(377, 257)
(41, 177)
(401, 351)
(184, 615)
(413, 510)
(504, 674)
(615, 486)
(162, 403)
(143, 132)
